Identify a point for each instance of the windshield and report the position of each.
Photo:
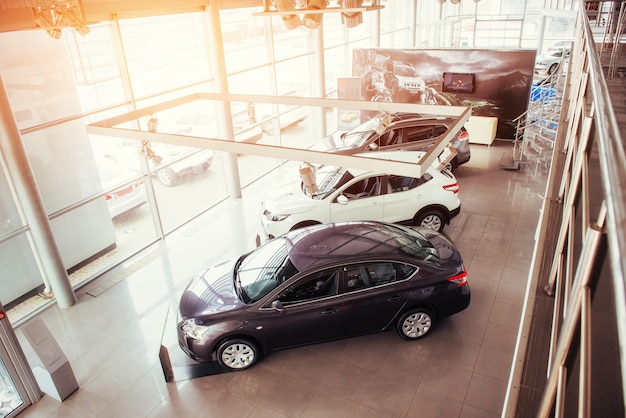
(359, 136)
(263, 270)
(330, 180)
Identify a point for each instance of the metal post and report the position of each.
(218, 67)
(23, 180)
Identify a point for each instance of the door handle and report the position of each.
(395, 298)
(329, 311)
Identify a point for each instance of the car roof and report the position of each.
(325, 244)
(406, 117)
(400, 155)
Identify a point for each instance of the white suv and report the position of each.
(346, 194)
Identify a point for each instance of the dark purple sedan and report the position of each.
(322, 283)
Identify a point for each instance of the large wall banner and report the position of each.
(491, 82)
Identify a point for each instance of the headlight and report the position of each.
(274, 217)
(193, 330)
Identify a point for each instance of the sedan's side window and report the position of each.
(374, 274)
(312, 287)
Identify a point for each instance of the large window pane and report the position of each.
(165, 52)
(95, 67)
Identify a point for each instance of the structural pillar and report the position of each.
(218, 67)
(23, 180)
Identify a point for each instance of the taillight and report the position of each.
(460, 279)
(464, 136)
(108, 197)
(454, 188)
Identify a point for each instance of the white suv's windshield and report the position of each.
(330, 179)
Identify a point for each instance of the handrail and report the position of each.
(613, 170)
(589, 151)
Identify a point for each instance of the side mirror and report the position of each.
(373, 146)
(278, 306)
(342, 199)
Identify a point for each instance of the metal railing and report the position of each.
(579, 256)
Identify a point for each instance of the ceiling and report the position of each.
(16, 15)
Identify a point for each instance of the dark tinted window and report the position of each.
(401, 183)
(391, 137)
(421, 133)
(364, 188)
(312, 287)
(374, 274)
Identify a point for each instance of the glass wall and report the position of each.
(107, 197)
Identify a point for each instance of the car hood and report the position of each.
(448, 254)
(210, 292)
(289, 198)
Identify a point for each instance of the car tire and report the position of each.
(167, 177)
(553, 69)
(415, 324)
(237, 354)
(432, 219)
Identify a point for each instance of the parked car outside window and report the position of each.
(550, 62)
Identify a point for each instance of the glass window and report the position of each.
(375, 274)
(368, 187)
(244, 39)
(314, 286)
(401, 183)
(421, 133)
(179, 37)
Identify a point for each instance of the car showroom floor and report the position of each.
(112, 336)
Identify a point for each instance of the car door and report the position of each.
(358, 200)
(405, 197)
(312, 311)
(373, 295)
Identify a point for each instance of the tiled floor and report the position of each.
(112, 336)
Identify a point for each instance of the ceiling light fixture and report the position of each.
(351, 11)
(53, 16)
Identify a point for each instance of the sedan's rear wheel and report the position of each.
(237, 354)
(415, 324)
(432, 219)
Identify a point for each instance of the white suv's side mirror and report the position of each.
(342, 199)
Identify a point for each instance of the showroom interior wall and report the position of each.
(135, 63)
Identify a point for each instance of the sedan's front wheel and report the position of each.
(415, 324)
(237, 354)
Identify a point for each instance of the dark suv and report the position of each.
(399, 131)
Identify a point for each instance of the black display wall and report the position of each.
(491, 82)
